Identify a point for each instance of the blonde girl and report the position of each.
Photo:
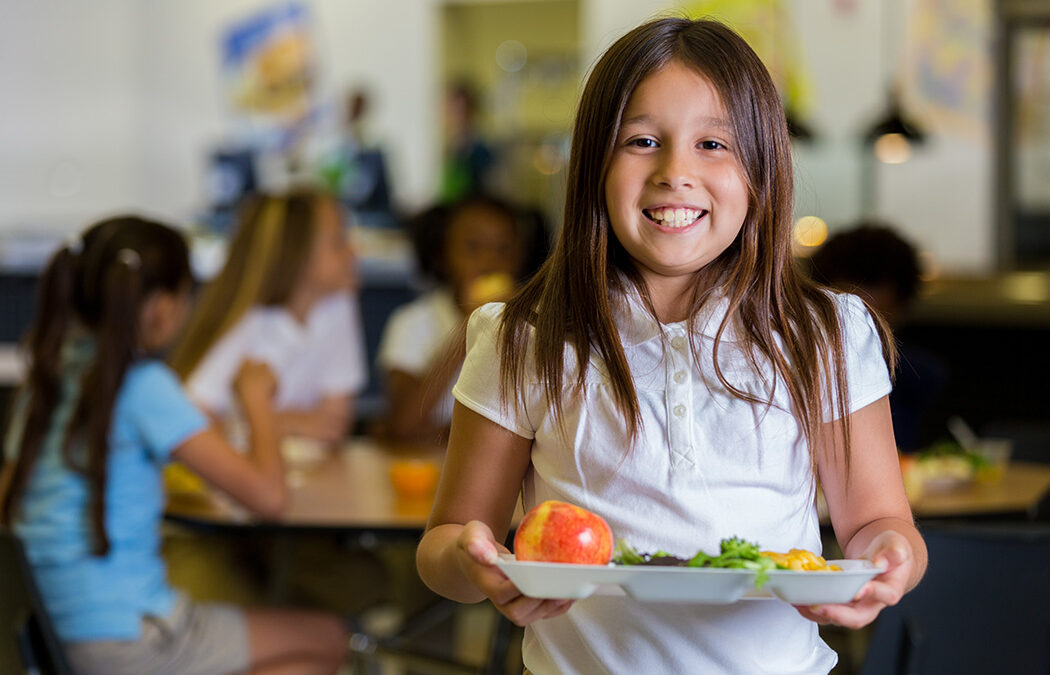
(283, 297)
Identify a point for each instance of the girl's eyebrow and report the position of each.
(707, 121)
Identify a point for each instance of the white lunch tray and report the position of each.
(687, 584)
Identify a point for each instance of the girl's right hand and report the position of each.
(255, 384)
(476, 553)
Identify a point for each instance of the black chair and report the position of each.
(983, 607)
(28, 644)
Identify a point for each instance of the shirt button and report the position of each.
(678, 342)
(680, 376)
(679, 410)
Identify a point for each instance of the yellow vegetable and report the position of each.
(178, 478)
(801, 560)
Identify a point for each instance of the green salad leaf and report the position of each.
(735, 553)
(625, 554)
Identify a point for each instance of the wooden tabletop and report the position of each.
(1020, 489)
(349, 489)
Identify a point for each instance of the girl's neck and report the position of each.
(672, 297)
(301, 302)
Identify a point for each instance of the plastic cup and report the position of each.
(414, 478)
(995, 455)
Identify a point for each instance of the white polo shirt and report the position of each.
(706, 466)
(323, 357)
(416, 335)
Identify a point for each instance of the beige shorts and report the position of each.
(204, 639)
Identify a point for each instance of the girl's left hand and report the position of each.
(890, 550)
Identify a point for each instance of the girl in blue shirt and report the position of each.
(90, 433)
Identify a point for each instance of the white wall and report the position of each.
(356, 44)
(113, 104)
(69, 111)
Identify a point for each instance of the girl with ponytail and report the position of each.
(97, 419)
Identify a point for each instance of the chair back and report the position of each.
(983, 606)
(28, 644)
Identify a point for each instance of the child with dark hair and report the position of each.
(875, 262)
(469, 162)
(476, 250)
(98, 418)
(670, 369)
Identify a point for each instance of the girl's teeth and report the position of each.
(675, 217)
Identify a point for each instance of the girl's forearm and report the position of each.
(264, 447)
(860, 541)
(438, 568)
(415, 398)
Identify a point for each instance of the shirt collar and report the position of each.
(637, 326)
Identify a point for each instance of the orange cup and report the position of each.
(414, 478)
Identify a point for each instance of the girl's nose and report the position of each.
(675, 171)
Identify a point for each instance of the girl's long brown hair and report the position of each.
(266, 259)
(568, 301)
(99, 289)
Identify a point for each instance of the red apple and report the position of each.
(556, 531)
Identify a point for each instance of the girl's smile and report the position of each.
(675, 191)
(674, 219)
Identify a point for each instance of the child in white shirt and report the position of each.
(283, 298)
(672, 371)
(421, 350)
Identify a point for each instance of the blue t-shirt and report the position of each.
(104, 598)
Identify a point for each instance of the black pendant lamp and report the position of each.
(892, 136)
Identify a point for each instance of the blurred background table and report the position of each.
(348, 490)
(1020, 491)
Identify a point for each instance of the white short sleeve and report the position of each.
(867, 374)
(340, 325)
(478, 386)
(417, 333)
(210, 383)
(408, 341)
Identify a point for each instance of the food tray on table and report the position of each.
(702, 585)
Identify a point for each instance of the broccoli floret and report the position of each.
(735, 547)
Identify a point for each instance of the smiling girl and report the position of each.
(670, 370)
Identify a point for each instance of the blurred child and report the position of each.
(95, 422)
(283, 298)
(874, 261)
(470, 163)
(475, 251)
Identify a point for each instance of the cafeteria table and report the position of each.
(1019, 491)
(346, 492)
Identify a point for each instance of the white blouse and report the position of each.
(705, 466)
(325, 356)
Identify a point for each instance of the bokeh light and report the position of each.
(892, 149)
(810, 231)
